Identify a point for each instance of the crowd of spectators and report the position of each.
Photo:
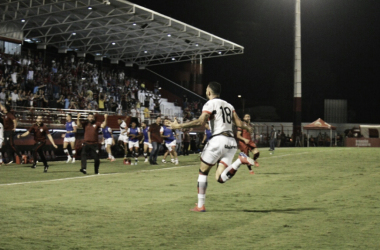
(72, 83)
(191, 109)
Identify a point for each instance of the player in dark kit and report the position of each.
(246, 144)
(40, 132)
(90, 143)
(10, 124)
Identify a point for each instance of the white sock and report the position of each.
(236, 164)
(73, 151)
(109, 155)
(227, 173)
(202, 186)
(66, 151)
(145, 155)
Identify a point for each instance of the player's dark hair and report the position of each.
(70, 115)
(90, 113)
(215, 87)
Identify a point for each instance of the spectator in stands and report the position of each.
(15, 99)
(156, 88)
(3, 96)
(148, 96)
(102, 98)
(112, 105)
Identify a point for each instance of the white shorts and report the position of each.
(132, 144)
(149, 144)
(108, 141)
(69, 139)
(170, 145)
(123, 138)
(221, 148)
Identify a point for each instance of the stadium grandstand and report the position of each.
(77, 56)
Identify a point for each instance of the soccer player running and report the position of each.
(246, 144)
(90, 142)
(108, 142)
(123, 138)
(40, 132)
(170, 141)
(147, 145)
(69, 137)
(222, 145)
(133, 133)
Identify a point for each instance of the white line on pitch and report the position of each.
(148, 170)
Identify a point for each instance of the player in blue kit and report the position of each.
(69, 137)
(133, 133)
(147, 145)
(108, 142)
(170, 141)
(207, 135)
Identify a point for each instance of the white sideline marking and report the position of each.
(148, 170)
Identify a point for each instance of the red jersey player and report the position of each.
(245, 142)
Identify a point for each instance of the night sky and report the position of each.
(340, 52)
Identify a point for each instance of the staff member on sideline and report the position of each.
(40, 132)
(10, 124)
(155, 139)
(90, 143)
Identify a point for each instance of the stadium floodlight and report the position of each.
(173, 59)
(169, 35)
(113, 43)
(89, 7)
(145, 51)
(239, 96)
(134, 24)
(196, 45)
(23, 20)
(74, 34)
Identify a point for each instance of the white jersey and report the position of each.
(221, 115)
(123, 128)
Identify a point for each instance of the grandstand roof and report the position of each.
(116, 29)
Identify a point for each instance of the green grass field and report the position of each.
(299, 198)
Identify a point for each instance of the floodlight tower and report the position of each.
(297, 104)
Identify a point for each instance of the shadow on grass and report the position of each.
(286, 210)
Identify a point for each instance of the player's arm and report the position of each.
(51, 140)
(201, 121)
(78, 121)
(149, 137)
(142, 138)
(204, 138)
(104, 124)
(74, 129)
(24, 134)
(14, 124)
(240, 137)
(240, 124)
